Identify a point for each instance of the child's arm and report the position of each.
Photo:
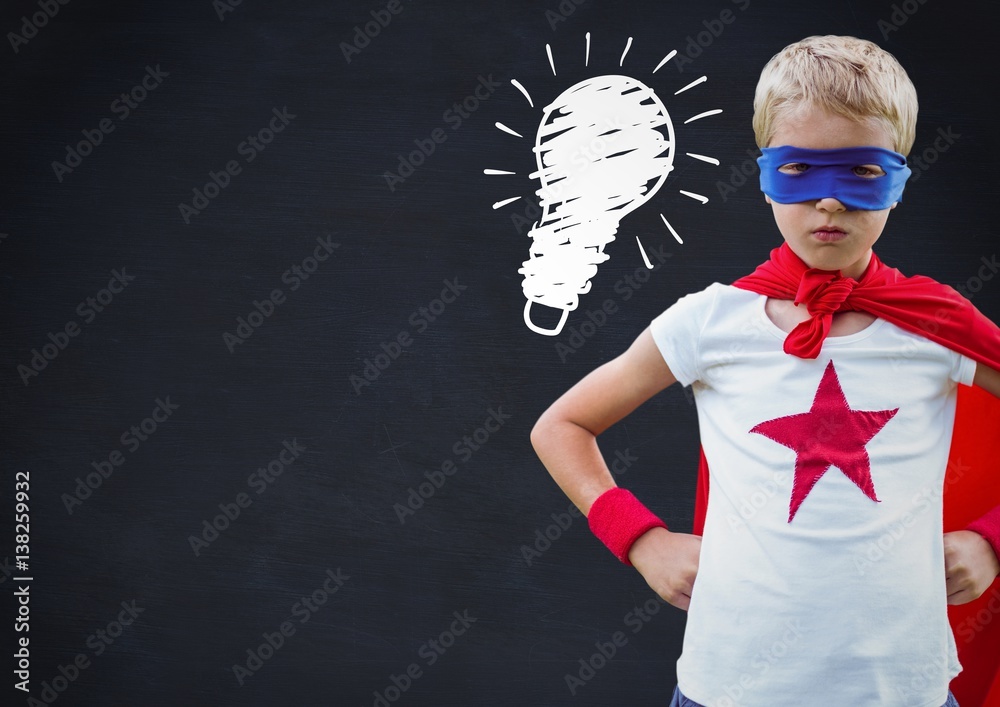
(565, 439)
(987, 379)
(971, 563)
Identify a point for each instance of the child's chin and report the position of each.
(826, 256)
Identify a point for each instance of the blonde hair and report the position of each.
(848, 76)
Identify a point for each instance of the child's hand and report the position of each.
(970, 566)
(668, 562)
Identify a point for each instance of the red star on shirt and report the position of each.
(830, 434)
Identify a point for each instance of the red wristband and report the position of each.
(989, 527)
(618, 518)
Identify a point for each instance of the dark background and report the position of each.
(333, 508)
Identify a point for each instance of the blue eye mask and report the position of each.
(830, 173)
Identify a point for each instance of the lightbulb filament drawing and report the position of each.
(603, 148)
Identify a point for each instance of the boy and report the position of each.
(826, 386)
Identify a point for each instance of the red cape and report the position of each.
(923, 306)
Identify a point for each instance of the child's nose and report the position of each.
(830, 204)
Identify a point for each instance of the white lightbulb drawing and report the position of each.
(603, 148)
(594, 170)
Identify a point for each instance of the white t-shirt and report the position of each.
(844, 605)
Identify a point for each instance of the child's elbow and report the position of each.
(545, 429)
(539, 433)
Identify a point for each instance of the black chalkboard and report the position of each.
(266, 371)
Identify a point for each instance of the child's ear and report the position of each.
(768, 200)
(893, 205)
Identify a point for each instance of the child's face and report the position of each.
(822, 232)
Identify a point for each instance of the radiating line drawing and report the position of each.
(628, 45)
(703, 115)
(664, 60)
(603, 148)
(505, 202)
(710, 160)
(522, 89)
(671, 229)
(698, 197)
(694, 83)
(503, 127)
(645, 258)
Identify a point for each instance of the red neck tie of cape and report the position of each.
(937, 312)
(918, 304)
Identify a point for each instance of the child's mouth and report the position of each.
(828, 234)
